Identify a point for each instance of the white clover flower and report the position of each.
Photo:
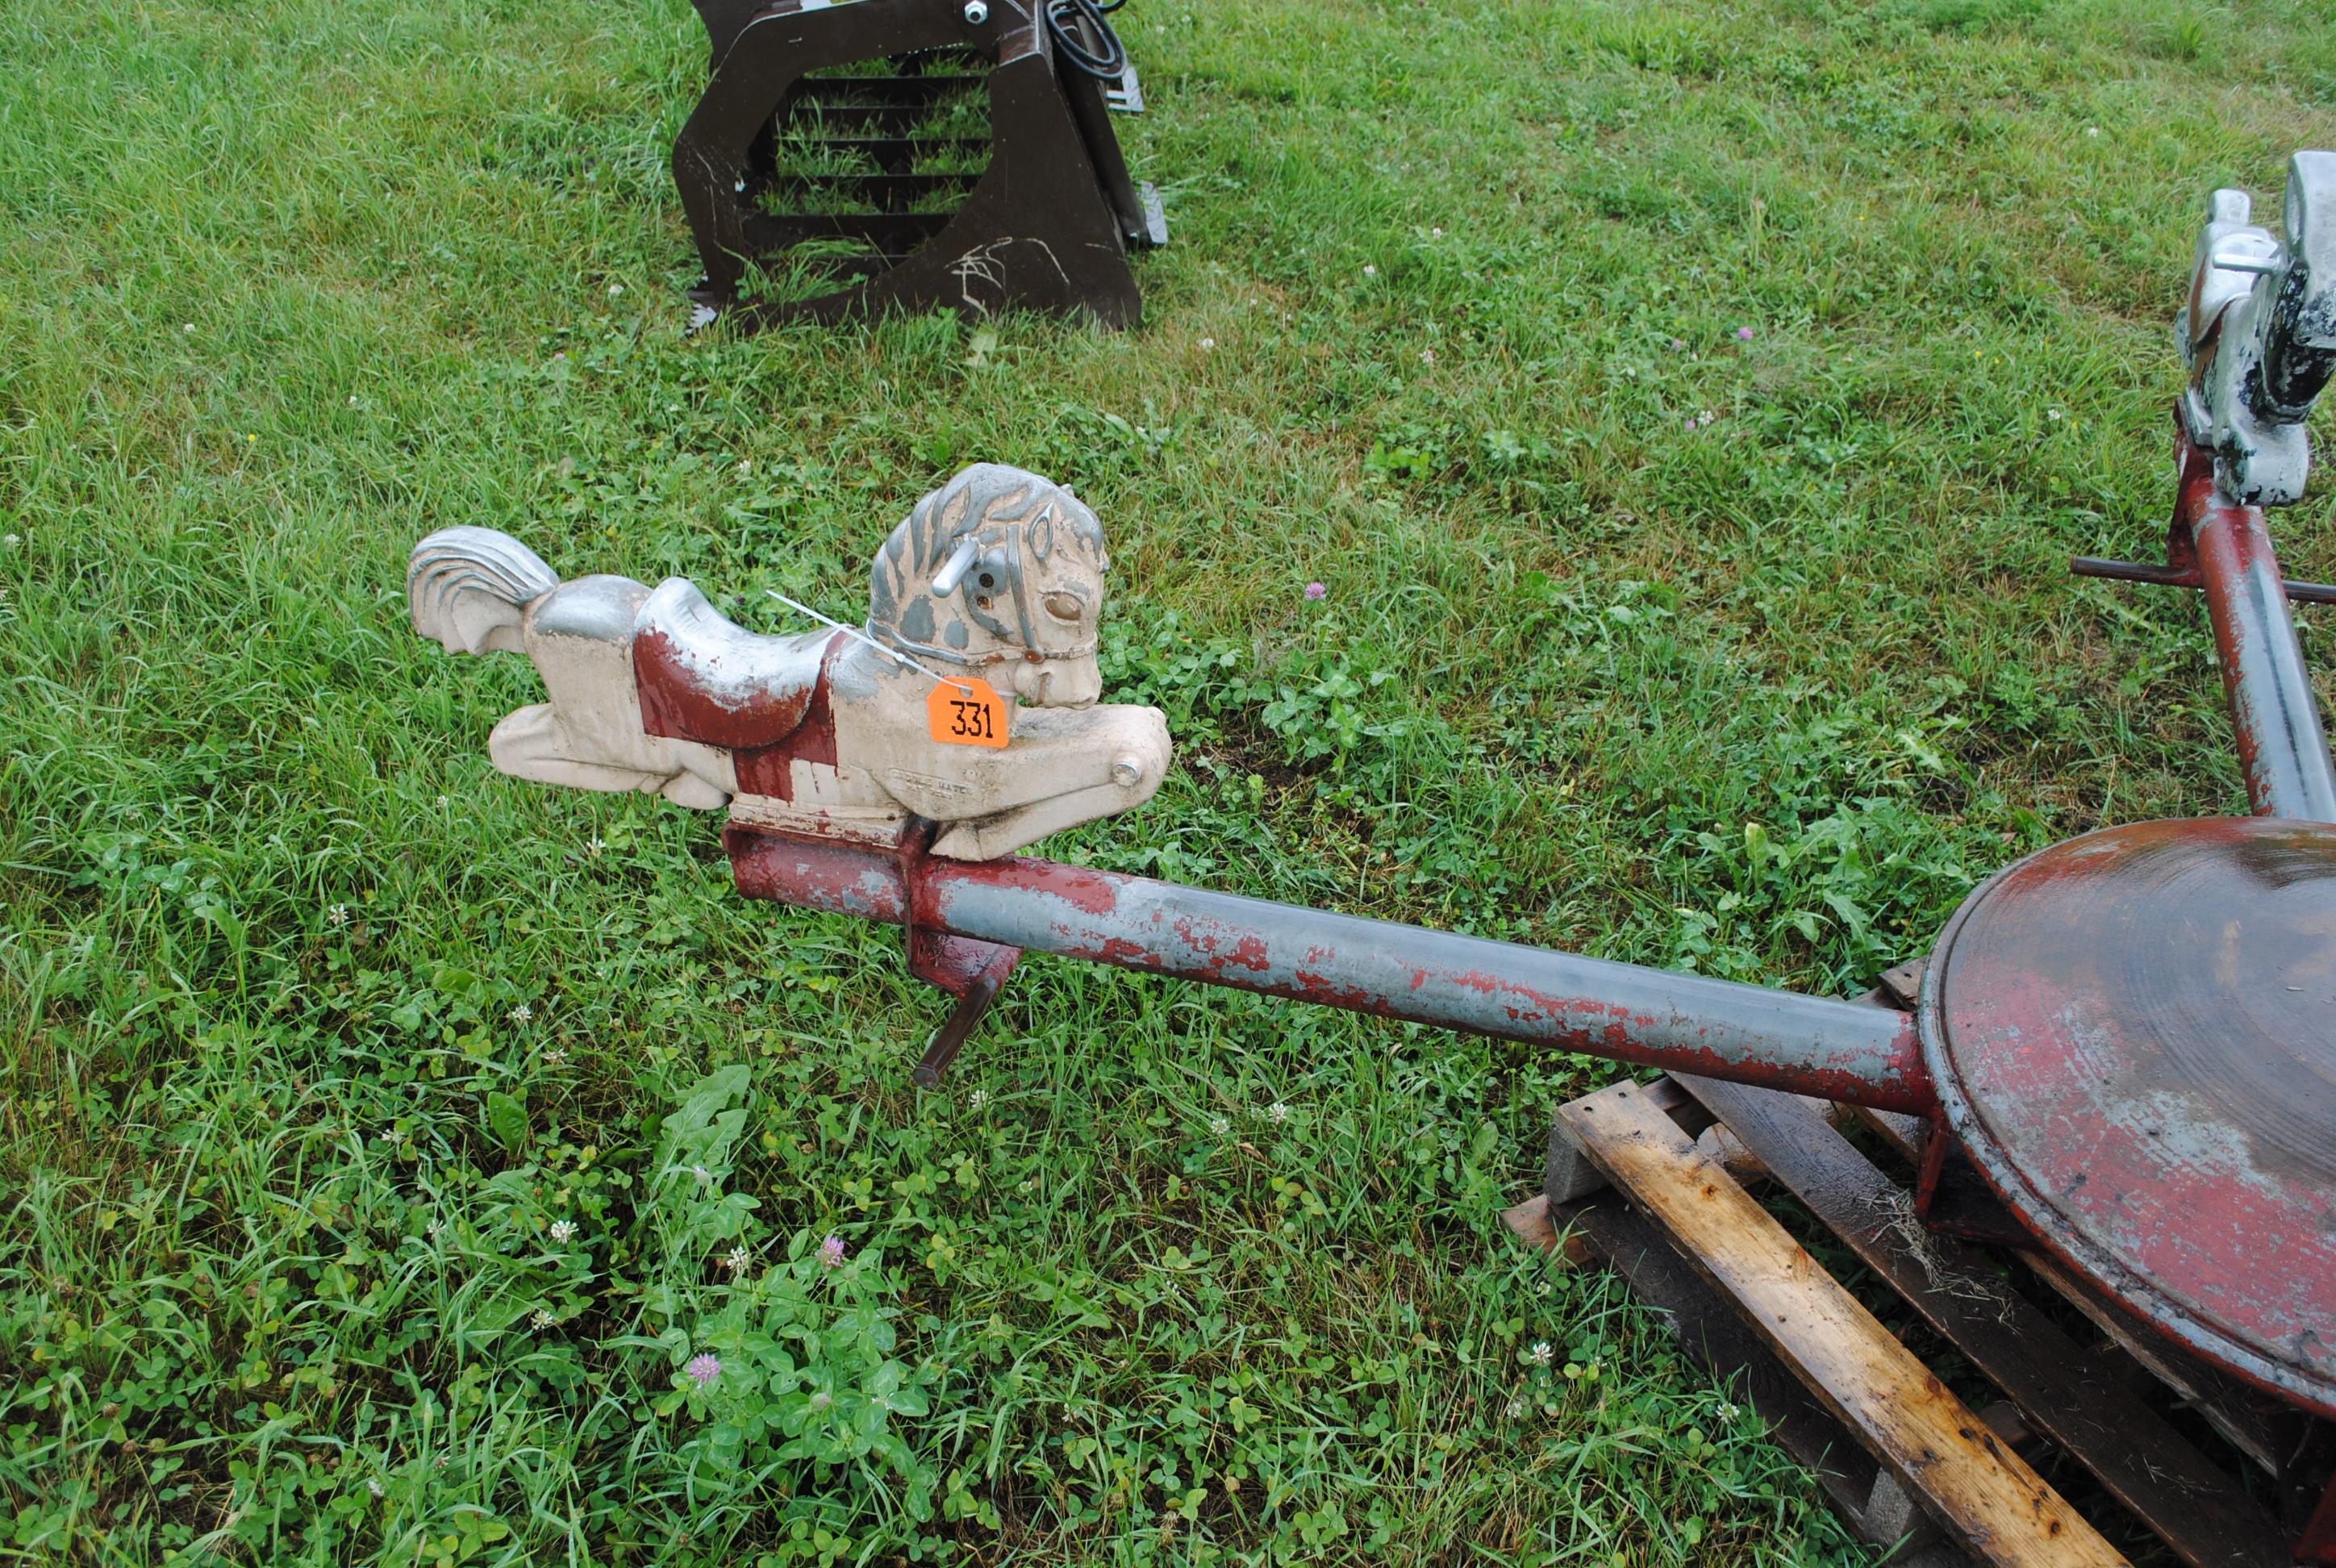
(1516, 1409)
(1208, 343)
(2051, 413)
(737, 1259)
(615, 289)
(554, 1057)
(745, 466)
(540, 1320)
(431, 1230)
(563, 1230)
(387, 1135)
(374, 1485)
(1428, 356)
(189, 327)
(1369, 271)
(978, 1101)
(339, 913)
(13, 541)
(522, 1013)
(1541, 1355)
(1728, 1412)
(1220, 1126)
(1277, 1113)
(1436, 234)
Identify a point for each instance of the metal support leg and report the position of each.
(963, 1019)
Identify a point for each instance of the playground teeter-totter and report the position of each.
(2125, 1044)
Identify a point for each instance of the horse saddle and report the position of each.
(703, 678)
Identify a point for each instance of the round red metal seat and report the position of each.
(2134, 1036)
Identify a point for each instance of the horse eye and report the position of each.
(1064, 607)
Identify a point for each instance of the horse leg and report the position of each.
(986, 838)
(534, 743)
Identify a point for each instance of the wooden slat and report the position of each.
(1865, 1495)
(1708, 1331)
(2145, 1464)
(1980, 1489)
(2259, 1426)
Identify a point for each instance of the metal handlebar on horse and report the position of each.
(2128, 1039)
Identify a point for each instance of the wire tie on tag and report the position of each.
(894, 653)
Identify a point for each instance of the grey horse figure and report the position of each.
(994, 583)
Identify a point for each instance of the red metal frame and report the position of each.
(2226, 550)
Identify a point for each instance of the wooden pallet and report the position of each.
(1903, 1459)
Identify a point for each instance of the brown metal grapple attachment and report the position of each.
(903, 154)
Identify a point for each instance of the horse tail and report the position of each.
(467, 586)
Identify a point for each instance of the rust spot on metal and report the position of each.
(2134, 1035)
(1088, 892)
(837, 878)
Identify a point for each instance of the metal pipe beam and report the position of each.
(2282, 746)
(1625, 1012)
(2281, 743)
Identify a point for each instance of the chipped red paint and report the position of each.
(2203, 1233)
(817, 874)
(1089, 891)
(958, 964)
(2134, 1036)
(2274, 718)
(769, 770)
(1713, 1027)
(679, 702)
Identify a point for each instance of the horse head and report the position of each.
(999, 572)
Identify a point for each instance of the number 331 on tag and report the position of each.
(967, 712)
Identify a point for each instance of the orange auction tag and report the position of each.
(967, 712)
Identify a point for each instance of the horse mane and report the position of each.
(978, 497)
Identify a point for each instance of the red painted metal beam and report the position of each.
(1777, 1039)
(2282, 746)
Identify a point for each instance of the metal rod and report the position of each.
(963, 1019)
(1718, 1028)
(2282, 746)
(2161, 576)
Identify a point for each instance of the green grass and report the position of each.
(312, 1025)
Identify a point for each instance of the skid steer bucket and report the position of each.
(902, 154)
